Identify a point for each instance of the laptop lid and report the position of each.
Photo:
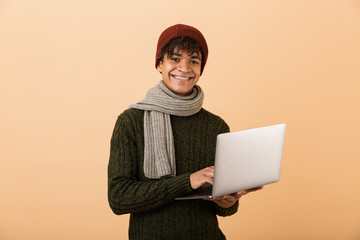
(246, 159)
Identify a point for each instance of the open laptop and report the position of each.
(245, 159)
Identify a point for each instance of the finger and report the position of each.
(210, 168)
(225, 198)
(255, 189)
(244, 192)
(214, 199)
(231, 198)
(210, 180)
(209, 175)
(206, 180)
(239, 194)
(209, 171)
(225, 201)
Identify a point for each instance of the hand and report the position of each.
(229, 200)
(202, 177)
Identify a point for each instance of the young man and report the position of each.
(164, 147)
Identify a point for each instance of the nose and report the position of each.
(184, 66)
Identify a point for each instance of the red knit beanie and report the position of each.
(181, 30)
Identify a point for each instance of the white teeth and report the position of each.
(181, 78)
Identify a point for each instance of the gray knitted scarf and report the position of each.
(159, 104)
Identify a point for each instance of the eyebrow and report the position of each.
(192, 56)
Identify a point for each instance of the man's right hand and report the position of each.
(202, 177)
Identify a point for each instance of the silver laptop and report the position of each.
(245, 159)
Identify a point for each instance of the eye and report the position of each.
(194, 62)
(175, 59)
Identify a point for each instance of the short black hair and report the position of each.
(181, 43)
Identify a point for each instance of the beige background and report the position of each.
(68, 68)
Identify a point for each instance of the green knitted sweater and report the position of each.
(154, 214)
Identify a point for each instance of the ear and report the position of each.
(159, 67)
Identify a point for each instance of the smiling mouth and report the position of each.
(182, 78)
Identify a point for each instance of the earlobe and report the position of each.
(159, 67)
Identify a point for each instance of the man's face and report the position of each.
(180, 71)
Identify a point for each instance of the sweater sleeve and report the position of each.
(127, 193)
(224, 212)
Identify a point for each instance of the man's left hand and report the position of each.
(229, 200)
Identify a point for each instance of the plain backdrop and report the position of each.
(68, 68)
